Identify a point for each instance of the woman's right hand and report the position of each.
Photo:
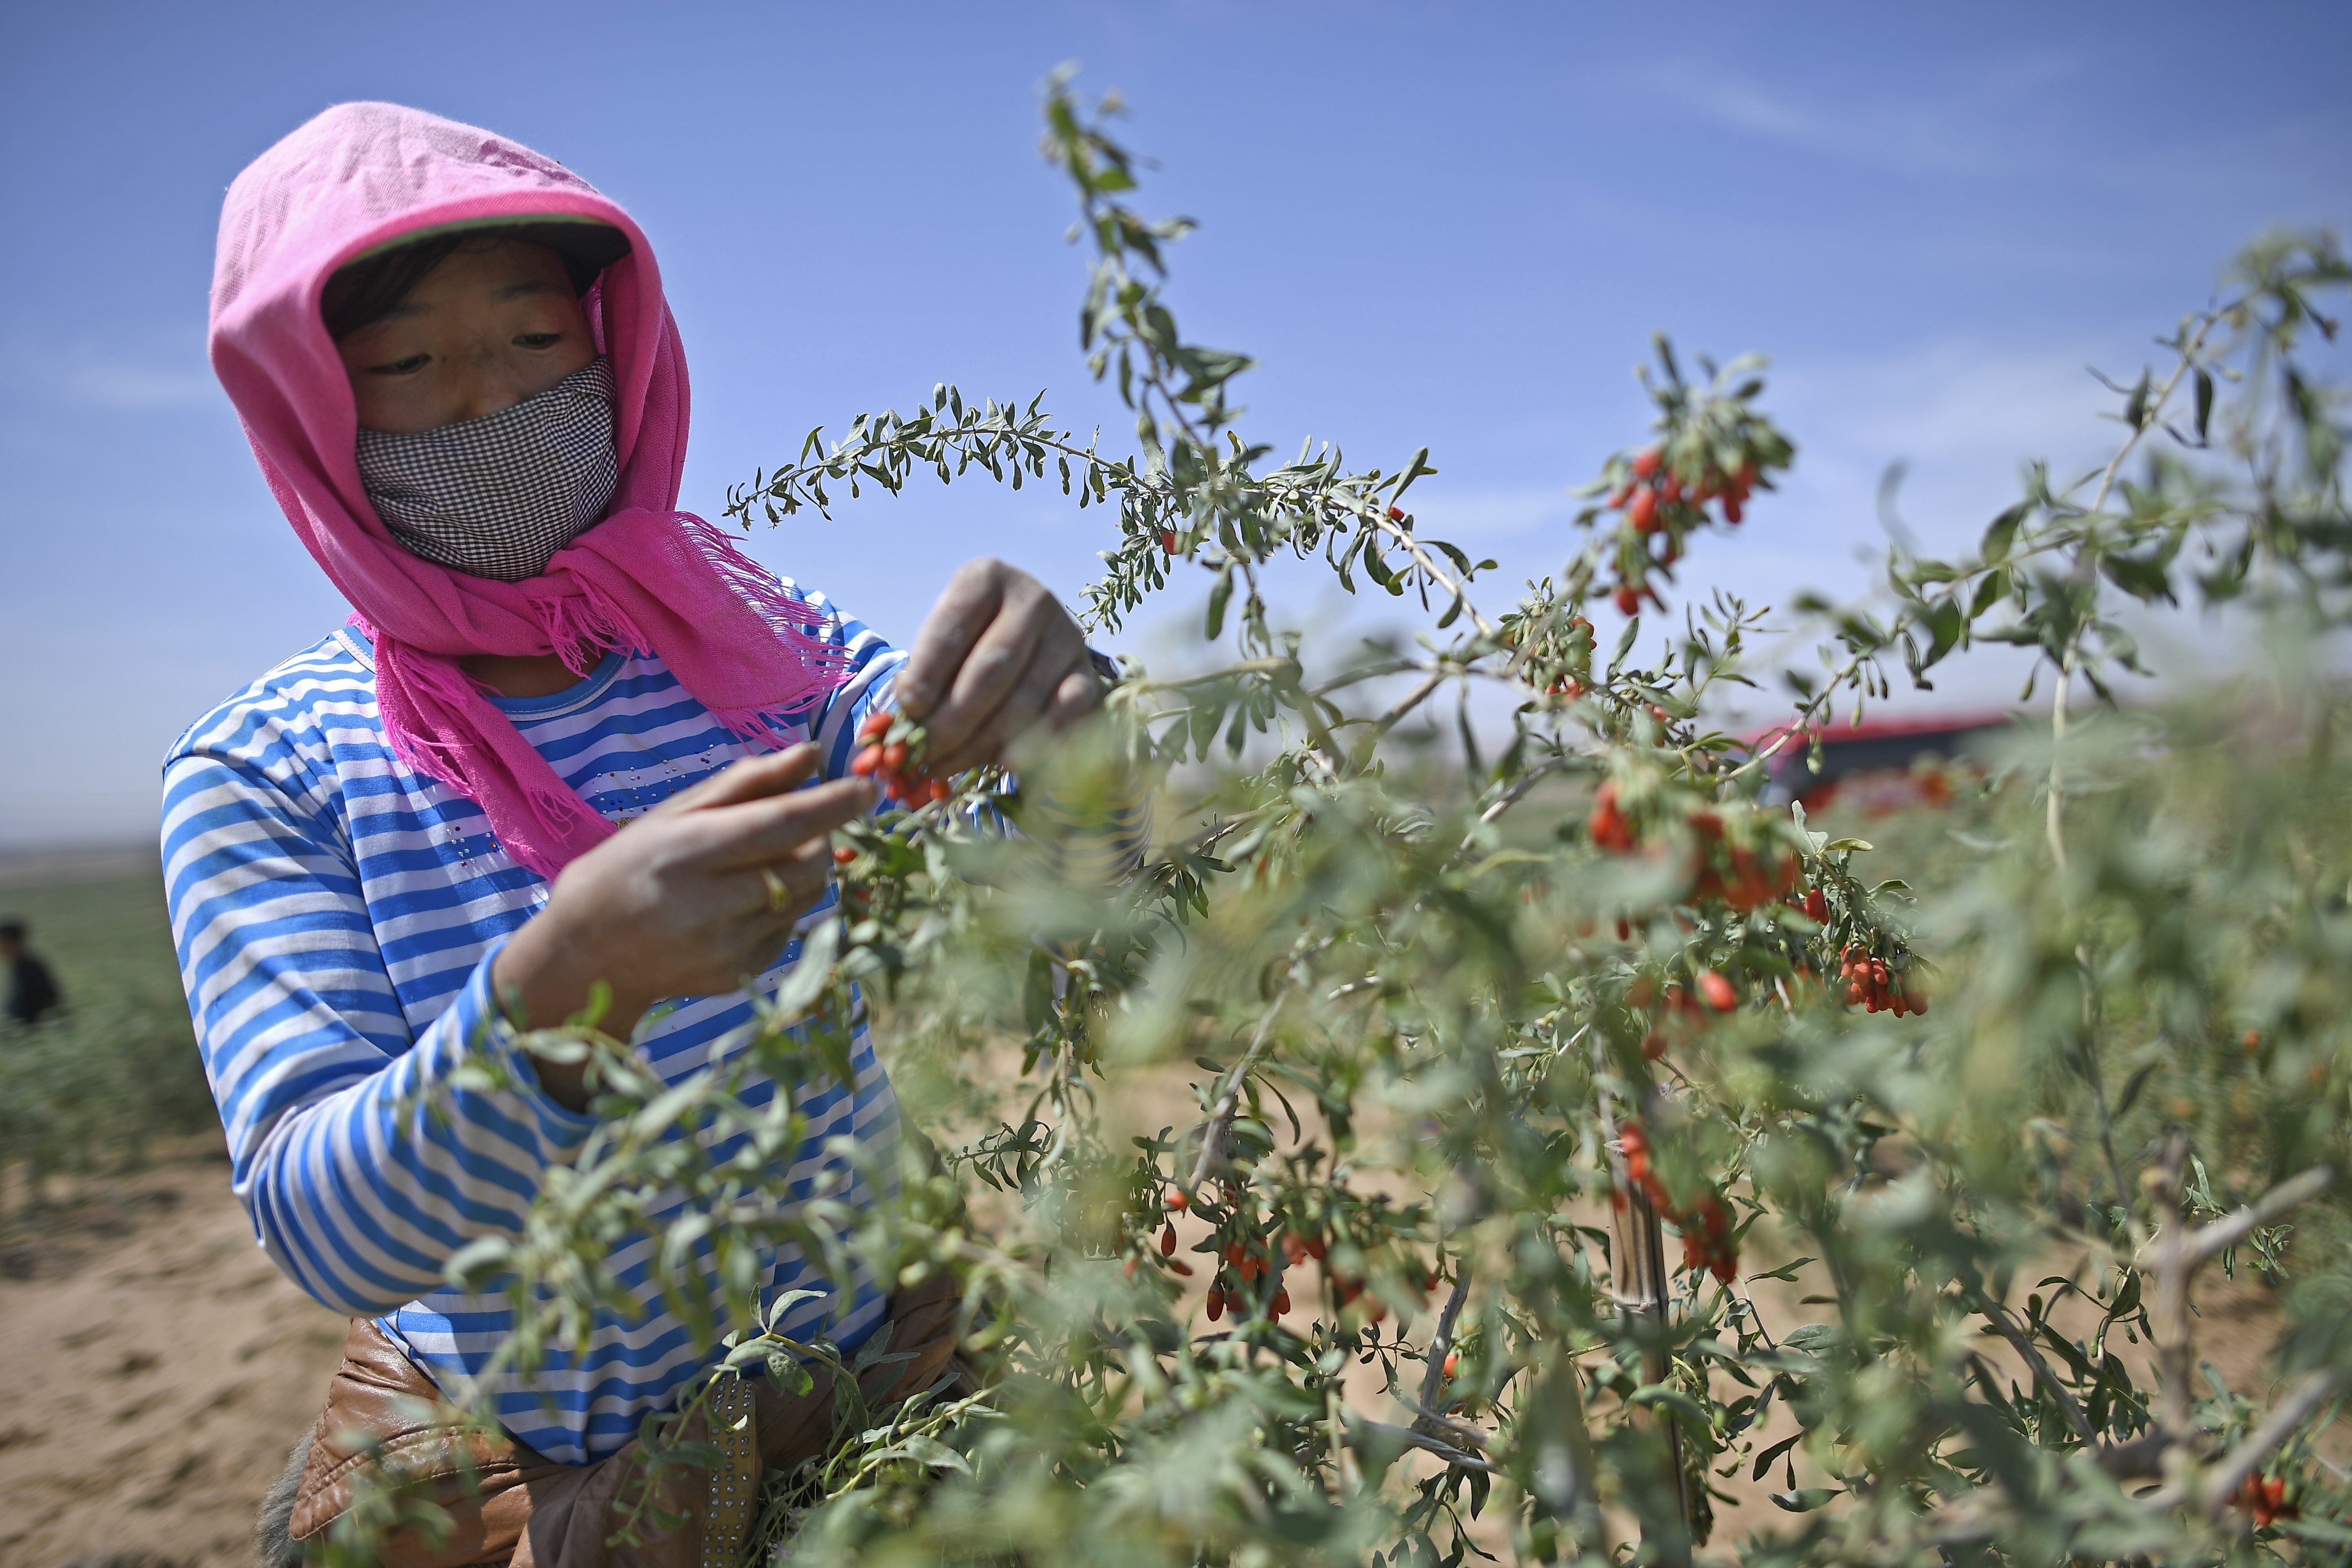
(694, 898)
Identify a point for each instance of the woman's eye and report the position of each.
(538, 339)
(408, 366)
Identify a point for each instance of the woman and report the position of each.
(453, 362)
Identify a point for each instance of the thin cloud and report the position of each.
(135, 387)
(1913, 140)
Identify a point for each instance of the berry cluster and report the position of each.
(2265, 1498)
(1715, 991)
(1570, 656)
(1743, 878)
(1664, 504)
(1244, 1263)
(1242, 1256)
(1875, 988)
(1706, 1226)
(892, 756)
(1608, 826)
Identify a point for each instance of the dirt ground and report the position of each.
(155, 1369)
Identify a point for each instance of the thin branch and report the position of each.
(2175, 1356)
(2204, 1245)
(1513, 796)
(1998, 1315)
(1394, 715)
(1432, 1381)
(1358, 1425)
(1209, 677)
(1430, 568)
(1221, 1122)
(2151, 417)
(2222, 1481)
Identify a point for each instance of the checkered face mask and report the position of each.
(497, 495)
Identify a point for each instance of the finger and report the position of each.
(1031, 693)
(775, 895)
(752, 778)
(1059, 698)
(762, 832)
(988, 742)
(966, 609)
(1038, 694)
(991, 672)
(1079, 694)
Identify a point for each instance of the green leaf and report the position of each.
(2146, 578)
(929, 1451)
(1946, 622)
(788, 1375)
(1037, 995)
(1682, 1405)
(811, 972)
(2003, 532)
(2135, 406)
(1764, 1459)
(475, 1264)
(1219, 596)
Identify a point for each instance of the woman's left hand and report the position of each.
(998, 654)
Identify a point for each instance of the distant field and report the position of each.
(93, 1088)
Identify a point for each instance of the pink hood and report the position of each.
(648, 577)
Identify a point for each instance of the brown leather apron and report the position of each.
(505, 1503)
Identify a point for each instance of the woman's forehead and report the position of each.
(492, 271)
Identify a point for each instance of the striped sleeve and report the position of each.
(1095, 844)
(362, 1168)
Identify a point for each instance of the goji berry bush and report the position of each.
(1537, 1064)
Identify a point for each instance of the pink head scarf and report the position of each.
(648, 577)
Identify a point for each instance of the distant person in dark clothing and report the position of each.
(32, 989)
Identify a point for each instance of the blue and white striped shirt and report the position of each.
(336, 914)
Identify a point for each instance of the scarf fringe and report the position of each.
(441, 725)
(788, 618)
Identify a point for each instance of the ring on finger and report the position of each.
(780, 898)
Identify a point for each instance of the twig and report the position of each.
(1221, 1120)
(1513, 796)
(2175, 1360)
(1360, 1425)
(2055, 797)
(2201, 1247)
(1390, 720)
(2055, 801)
(1998, 1315)
(1442, 1340)
(2222, 1480)
(1430, 568)
(1207, 676)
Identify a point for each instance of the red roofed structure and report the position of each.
(1879, 760)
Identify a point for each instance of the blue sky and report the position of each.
(1454, 225)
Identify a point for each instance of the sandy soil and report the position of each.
(155, 1369)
